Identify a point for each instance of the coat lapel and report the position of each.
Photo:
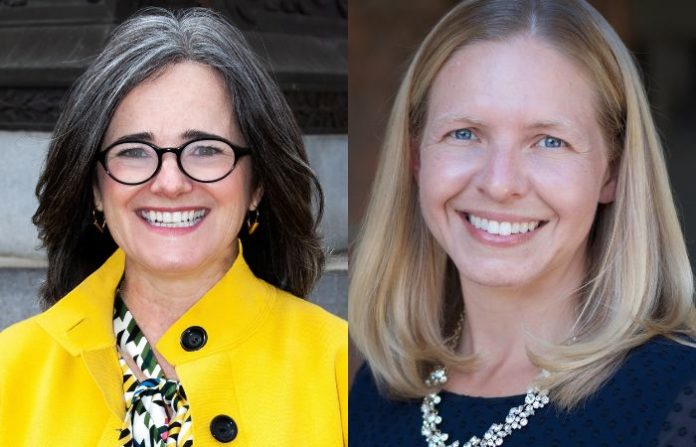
(82, 323)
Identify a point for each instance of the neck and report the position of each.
(158, 299)
(502, 323)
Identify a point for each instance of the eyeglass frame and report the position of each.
(239, 152)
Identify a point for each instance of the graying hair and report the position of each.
(138, 49)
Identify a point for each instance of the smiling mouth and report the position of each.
(174, 219)
(504, 228)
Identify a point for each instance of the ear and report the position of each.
(98, 204)
(608, 191)
(256, 197)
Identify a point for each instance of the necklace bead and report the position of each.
(517, 417)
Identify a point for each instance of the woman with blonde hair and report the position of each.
(522, 277)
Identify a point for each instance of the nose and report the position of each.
(170, 180)
(502, 176)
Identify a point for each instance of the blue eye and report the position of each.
(550, 142)
(462, 134)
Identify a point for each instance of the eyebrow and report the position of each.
(449, 118)
(457, 118)
(148, 137)
(553, 125)
(142, 136)
(454, 118)
(193, 134)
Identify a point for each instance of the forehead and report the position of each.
(183, 96)
(522, 79)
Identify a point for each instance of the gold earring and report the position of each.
(252, 226)
(95, 221)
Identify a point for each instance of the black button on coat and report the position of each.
(223, 428)
(193, 338)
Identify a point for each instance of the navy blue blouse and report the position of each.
(649, 402)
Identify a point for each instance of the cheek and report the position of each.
(571, 189)
(113, 196)
(443, 175)
(119, 218)
(441, 179)
(233, 193)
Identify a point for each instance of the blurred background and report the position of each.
(46, 44)
(383, 36)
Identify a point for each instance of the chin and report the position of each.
(500, 275)
(174, 263)
(503, 283)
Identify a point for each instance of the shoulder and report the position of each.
(664, 360)
(24, 338)
(375, 419)
(364, 386)
(294, 313)
(366, 400)
(651, 383)
(25, 345)
(656, 371)
(292, 324)
(664, 371)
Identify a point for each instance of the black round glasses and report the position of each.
(204, 160)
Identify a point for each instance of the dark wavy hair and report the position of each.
(285, 250)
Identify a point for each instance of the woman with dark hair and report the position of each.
(522, 278)
(176, 210)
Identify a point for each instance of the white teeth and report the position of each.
(493, 227)
(503, 228)
(176, 219)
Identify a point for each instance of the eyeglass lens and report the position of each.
(203, 160)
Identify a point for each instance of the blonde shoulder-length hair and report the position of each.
(405, 296)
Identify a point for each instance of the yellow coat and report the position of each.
(275, 364)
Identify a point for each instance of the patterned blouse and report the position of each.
(157, 412)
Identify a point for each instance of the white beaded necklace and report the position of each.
(516, 419)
